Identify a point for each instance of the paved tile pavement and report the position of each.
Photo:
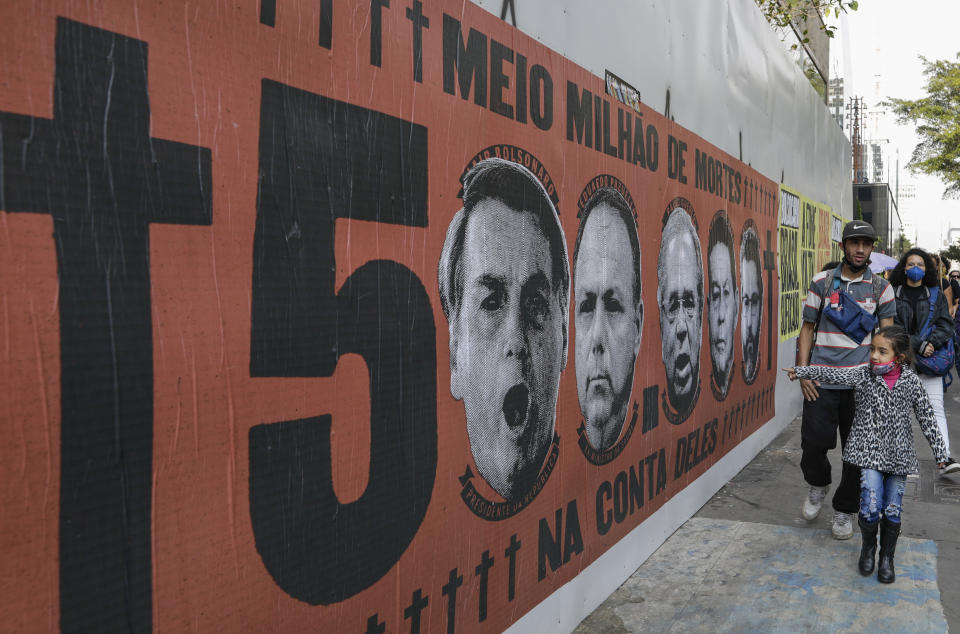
(747, 561)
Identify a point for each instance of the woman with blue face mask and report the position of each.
(913, 280)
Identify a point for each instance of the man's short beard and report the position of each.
(854, 267)
(683, 403)
(618, 414)
(532, 460)
(754, 359)
(722, 376)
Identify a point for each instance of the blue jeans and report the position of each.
(876, 486)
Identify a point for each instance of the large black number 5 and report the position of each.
(322, 159)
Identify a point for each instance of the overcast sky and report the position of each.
(876, 52)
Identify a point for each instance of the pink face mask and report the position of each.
(882, 368)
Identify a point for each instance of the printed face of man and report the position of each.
(722, 303)
(508, 348)
(681, 312)
(750, 315)
(608, 321)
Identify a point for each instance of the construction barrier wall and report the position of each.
(385, 316)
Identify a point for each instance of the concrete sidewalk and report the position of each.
(747, 561)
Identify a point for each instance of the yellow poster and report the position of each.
(836, 251)
(789, 253)
(809, 237)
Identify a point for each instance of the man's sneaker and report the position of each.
(813, 501)
(842, 525)
(950, 466)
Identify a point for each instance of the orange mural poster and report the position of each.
(349, 316)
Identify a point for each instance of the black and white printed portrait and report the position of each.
(504, 287)
(680, 300)
(608, 313)
(723, 303)
(751, 297)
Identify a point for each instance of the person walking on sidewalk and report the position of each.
(881, 440)
(949, 286)
(829, 408)
(916, 287)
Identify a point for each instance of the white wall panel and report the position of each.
(725, 70)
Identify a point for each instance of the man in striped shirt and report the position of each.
(829, 408)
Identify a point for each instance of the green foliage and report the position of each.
(782, 13)
(813, 76)
(937, 117)
(858, 212)
(901, 245)
(952, 253)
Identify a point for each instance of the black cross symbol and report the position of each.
(511, 554)
(376, 31)
(268, 17)
(95, 168)
(420, 22)
(483, 571)
(412, 612)
(508, 4)
(375, 625)
(449, 590)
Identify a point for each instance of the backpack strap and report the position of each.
(933, 302)
(932, 298)
(877, 288)
(823, 303)
(877, 282)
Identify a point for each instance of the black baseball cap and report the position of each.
(859, 229)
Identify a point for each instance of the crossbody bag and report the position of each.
(941, 360)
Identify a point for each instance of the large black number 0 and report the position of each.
(322, 159)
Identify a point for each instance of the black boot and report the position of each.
(889, 531)
(868, 551)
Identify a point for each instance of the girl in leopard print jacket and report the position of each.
(881, 437)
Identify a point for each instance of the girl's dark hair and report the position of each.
(898, 276)
(900, 341)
